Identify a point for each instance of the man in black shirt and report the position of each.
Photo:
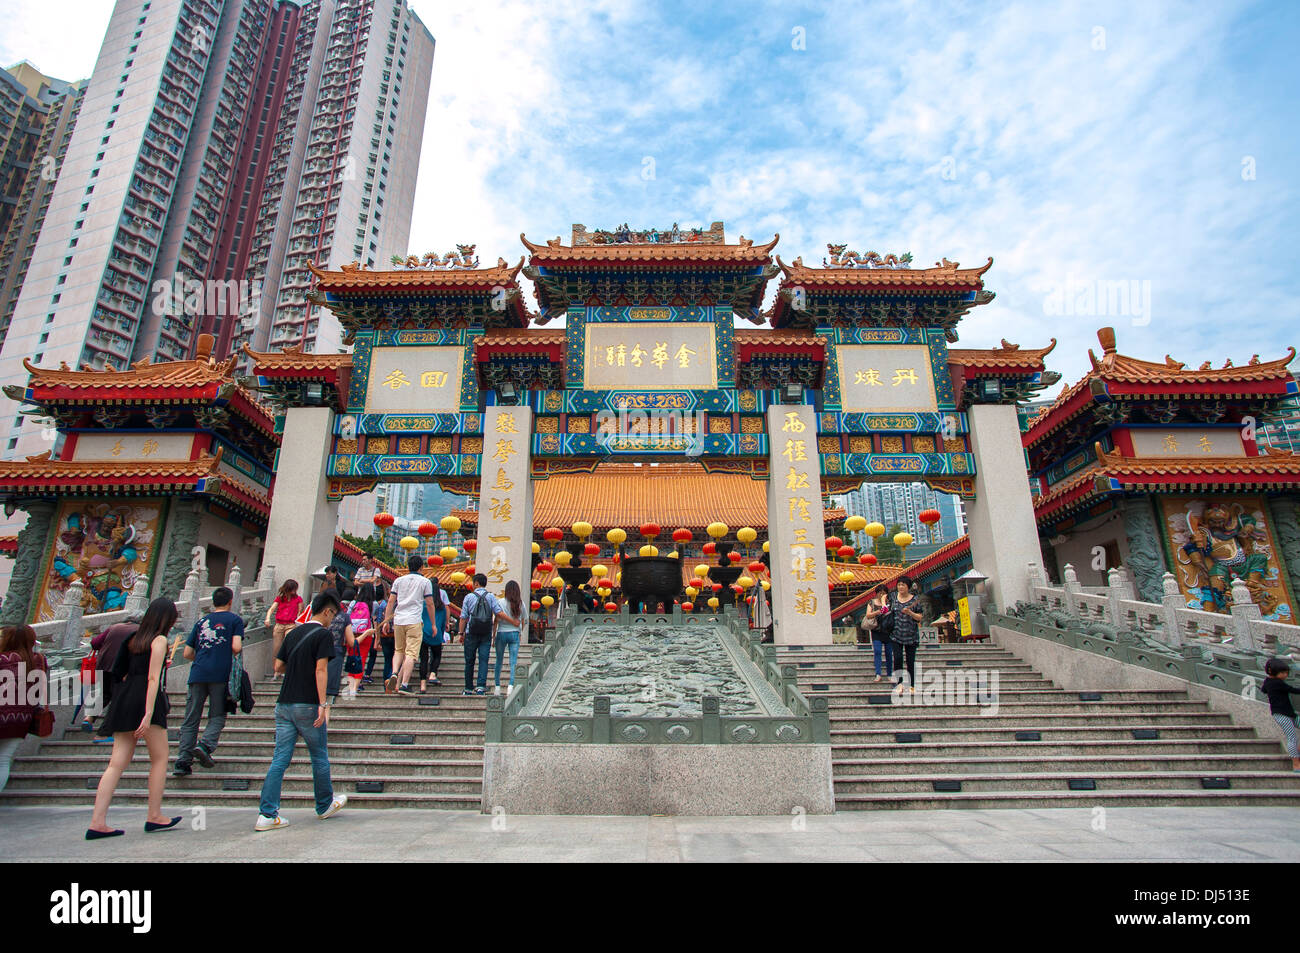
(300, 711)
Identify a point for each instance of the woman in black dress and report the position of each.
(138, 711)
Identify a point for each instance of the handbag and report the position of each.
(88, 668)
(885, 626)
(42, 723)
(352, 662)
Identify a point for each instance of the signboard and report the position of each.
(133, 446)
(1187, 442)
(650, 356)
(963, 617)
(886, 378)
(414, 379)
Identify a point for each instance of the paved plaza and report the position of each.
(1049, 835)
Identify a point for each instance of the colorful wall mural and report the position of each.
(106, 546)
(1217, 539)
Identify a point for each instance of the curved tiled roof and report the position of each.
(945, 275)
(1006, 357)
(354, 278)
(293, 359)
(945, 555)
(745, 252)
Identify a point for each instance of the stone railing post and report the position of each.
(1037, 579)
(1115, 593)
(189, 601)
(69, 612)
(266, 579)
(138, 601)
(1070, 583)
(233, 584)
(602, 725)
(1172, 601)
(1244, 612)
(1127, 584)
(712, 730)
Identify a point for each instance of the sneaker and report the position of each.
(467, 692)
(405, 690)
(182, 771)
(334, 808)
(390, 685)
(202, 757)
(265, 823)
(496, 690)
(435, 682)
(480, 691)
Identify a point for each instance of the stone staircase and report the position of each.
(1044, 746)
(438, 764)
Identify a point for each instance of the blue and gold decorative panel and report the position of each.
(901, 465)
(363, 356)
(394, 468)
(856, 341)
(926, 423)
(443, 423)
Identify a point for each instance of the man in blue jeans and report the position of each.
(300, 710)
(478, 613)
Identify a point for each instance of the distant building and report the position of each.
(901, 504)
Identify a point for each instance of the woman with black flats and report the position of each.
(138, 711)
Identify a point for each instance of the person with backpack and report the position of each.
(300, 711)
(345, 638)
(212, 646)
(383, 640)
(283, 614)
(361, 615)
(409, 596)
(478, 614)
(434, 636)
(878, 624)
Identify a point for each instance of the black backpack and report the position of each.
(480, 617)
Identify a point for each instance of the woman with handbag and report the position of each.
(905, 607)
(28, 714)
(138, 712)
(881, 626)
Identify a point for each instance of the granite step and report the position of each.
(1190, 779)
(296, 801)
(297, 779)
(843, 736)
(1084, 800)
(1009, 750)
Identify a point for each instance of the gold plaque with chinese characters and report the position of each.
(650, 356)
(133, 446)
(1187, 442)
(414, 379)
(891, 378)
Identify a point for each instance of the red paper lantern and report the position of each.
(688, 606)
(717, 587)
(470, 569)
(384, 519)
(738, 589)
(611, 607)
(470, 545)
(591, 549)
(536, 584)
(734, 557)
(756, 566)
(649, 530)
(535, 605)
(749, 601)
(834, 542)
(682, 536)
(710, 548)
(552, 534)
(929, 516)
(867, 559)
(844, 552)
(434, 561)
(545, 566)
(429, 529)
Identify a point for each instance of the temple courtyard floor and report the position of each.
(1048, 835)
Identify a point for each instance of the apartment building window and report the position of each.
(39, 358)
(62, 280)
(55, 299)
(72, 244)
(114, 109)
(80, 222)
(49, 318)
(94, 173)
(67, 261)
(45, 337)
(100, 157)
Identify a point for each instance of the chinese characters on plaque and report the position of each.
(506, 508)
(414, 378)
(885, 378)
(650, 356)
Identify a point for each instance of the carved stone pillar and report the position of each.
(182, 537)
(33, 545)
(505, 520)
(1285, 511)
(1145, 552)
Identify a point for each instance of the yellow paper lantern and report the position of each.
(618, 576)
(458, 577)
(692, 592)
(547, 601)
(855, 523)
(745, 582)
(846, 576)
(563, 557)
(717, 530)
(448, 552)
(713, 602)
(557, 583)
(616, 536)
(599, 571)
(536, 549)
(450, 523)
(674, 554)
(701, 570)
(766, 585)
(409, 542)
(581, 530)
(902, 540)
(767, 546)
(746, 534)
(648, 550)
(874, 529)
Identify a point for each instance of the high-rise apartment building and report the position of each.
(220, 148)
(37, 116)
(900, 504)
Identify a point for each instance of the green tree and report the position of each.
(885, 549)
(376, 548)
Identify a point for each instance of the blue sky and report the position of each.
(1075, 142)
